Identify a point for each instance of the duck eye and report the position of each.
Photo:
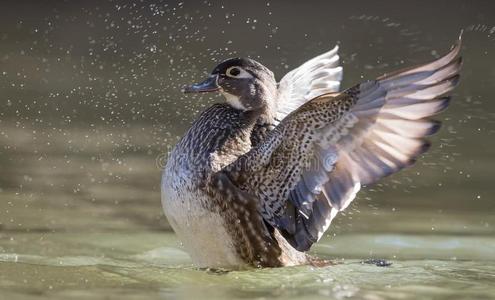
(233, 72)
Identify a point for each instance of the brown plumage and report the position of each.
(275, 188)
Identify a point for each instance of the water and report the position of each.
(137, 264)
(90, 106)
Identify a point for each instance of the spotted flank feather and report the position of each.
(312, 165)
(256, 244)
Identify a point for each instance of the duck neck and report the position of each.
(219, 136)
(236, 140)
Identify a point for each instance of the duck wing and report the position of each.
(319, 75)
(315, 161)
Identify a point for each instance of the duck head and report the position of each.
(246, 84)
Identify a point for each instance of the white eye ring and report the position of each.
(237, 72)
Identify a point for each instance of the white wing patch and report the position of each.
(318, 76)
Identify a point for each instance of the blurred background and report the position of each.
(90, 105)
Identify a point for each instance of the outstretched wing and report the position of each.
(318, 76)
(315, 161)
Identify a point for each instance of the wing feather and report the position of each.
(315, 77)
(397, 136)
(312, 165)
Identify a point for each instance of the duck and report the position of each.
(258, 178)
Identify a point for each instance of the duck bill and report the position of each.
(209, 85)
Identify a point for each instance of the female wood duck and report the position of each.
(257, 180)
